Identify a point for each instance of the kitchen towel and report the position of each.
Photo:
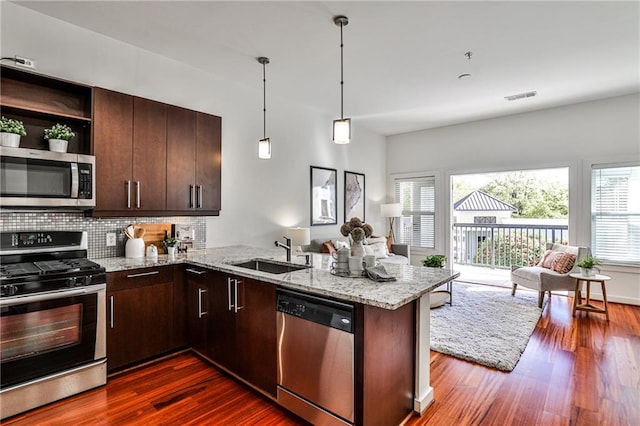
(379, 274)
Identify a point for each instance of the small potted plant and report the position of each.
(434, 261)
(58, 137)
(11, 131)
(587, 265)
(170, 244)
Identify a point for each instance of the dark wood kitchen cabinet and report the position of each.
(113, 148)
(129, 143)
(149, 159)
(193, 161)
(154, 159)
(242, 334)
(198, 308)
(140, 315)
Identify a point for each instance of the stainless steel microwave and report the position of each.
(39, 178)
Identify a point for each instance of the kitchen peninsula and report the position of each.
(391, 320)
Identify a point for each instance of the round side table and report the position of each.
(587, 306)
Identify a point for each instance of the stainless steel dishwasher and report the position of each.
(315, 358)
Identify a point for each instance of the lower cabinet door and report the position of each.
(198, 312)
(222, 324)
(256, 334)
(139, 324)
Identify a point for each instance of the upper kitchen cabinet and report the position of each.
(193, 162)
(129, 143)
(153, 158)
(113, 148)
(149, 159)
(40, 102)
(208, 163)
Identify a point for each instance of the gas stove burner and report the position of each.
(18, 269)
(65, 265)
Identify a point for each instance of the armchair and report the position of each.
(544, 279)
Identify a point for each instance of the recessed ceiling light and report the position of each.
(463, 76)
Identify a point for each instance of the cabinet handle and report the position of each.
(195, 271)
(111, 322)
(201, 313)
(143, 274)
(128, 194)
(237, 306)
(138, 194)
(199, 199)
(192, 195)
(229, 292)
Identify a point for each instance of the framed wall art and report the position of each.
(353, 195)
(324, 210)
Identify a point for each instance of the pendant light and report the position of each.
(342, 126)
(264, 144)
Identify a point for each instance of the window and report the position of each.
(615, 213)
(418, 199)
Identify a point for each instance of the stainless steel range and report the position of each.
(53, 319)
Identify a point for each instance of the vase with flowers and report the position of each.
(358, 231)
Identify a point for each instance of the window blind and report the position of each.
(615, 213)
(418, 199)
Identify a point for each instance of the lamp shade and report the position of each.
(391, 210)
(264, 148)
(299, 236)
(342, 131)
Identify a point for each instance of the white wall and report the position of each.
(574, 136)
(259, 198)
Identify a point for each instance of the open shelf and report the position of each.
(40, 102)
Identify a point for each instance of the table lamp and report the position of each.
(391, 210)
(299, 237)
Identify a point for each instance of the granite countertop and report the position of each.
(412, 281)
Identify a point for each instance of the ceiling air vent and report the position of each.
(521, 96)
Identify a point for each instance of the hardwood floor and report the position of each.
(575, 371)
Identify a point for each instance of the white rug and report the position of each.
(485, 325)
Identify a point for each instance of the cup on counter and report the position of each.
(368, 261)
(355, 265)
(340, 267)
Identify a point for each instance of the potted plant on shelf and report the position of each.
(434, 261)
(58, 137)
(587, 265)
(170, 244)
(11, 131)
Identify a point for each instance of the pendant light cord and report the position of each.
(341, 74)
(264, 100)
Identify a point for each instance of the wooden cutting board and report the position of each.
(154, 233)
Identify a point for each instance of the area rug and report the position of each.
(485, 325)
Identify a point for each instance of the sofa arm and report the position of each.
(400, 249)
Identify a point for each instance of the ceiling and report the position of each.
(401, 59)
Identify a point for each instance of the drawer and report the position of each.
(135, 278)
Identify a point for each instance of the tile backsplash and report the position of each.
(97, 229)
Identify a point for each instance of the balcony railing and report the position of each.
(501, 246)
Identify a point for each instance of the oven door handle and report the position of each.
(52, 296)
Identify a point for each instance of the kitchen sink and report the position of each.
(270, 266)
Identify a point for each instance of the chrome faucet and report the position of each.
(286, 246)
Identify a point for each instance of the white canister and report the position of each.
(134, 248)
(152, 251)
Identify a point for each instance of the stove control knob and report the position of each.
(86, 280)
(9, 290)
(71, 282)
